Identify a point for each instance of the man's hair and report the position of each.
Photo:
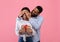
(25, 8)
(39, 8)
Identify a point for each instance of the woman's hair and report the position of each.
(25, 8)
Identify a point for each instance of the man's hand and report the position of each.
(28, 15)
(20, 14)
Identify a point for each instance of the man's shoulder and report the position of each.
(37, 18)
(40, 18)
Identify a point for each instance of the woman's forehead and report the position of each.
(25, 10)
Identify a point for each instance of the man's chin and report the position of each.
(33, 15)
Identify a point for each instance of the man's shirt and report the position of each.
(36, 22)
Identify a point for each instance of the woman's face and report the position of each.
(24, 14)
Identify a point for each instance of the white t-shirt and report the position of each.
(21, 22)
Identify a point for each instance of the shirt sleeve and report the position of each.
(17, 28)
(36, 23)
(33, 32)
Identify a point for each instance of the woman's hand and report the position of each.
(29, 30)
(22, 30)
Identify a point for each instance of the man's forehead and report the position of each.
(35, 9)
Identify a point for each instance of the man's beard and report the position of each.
(33, 15)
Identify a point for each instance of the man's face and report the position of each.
(24, 14)
(35, 12)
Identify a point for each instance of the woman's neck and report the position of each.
(25, 19)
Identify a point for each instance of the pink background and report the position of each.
(9, 9)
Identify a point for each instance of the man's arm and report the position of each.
(36, 23)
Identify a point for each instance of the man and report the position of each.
(22, 22)
(36, 22)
